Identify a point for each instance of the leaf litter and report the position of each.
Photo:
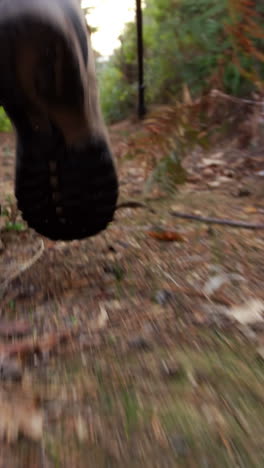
(121, 370)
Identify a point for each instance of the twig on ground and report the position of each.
(223, 222)
(25, 266)
(168, 276)
(131, 204)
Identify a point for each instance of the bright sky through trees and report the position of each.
(109, 16)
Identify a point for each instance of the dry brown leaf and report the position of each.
(167, 236)
(193, 178)
(103, 317)
(224, 179)
(100, 320)
(81, 428)
(213, 184)
(186, 95)
(20, 415)
(250, 209)
(40, 345)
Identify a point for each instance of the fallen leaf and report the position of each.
(100, 320)
(215, 283)
(20, 415)
(81, 428)
(168, 236)
(208, 172)
(248, 313)
(250, 209)
(103, 317)
(213, 184)
(223, 179)
(193, 178)
(187, 98)
(39, 345)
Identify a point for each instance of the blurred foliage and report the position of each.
(173, 131)
(117, 98)
(247, 36)
(5, 125)
(9, 216)
(203, 44)
(169, 133)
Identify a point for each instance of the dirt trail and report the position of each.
(161, 365)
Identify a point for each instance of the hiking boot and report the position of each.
(66, 183)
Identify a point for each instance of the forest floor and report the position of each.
(142, 346)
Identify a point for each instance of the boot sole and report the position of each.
(66, 183)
